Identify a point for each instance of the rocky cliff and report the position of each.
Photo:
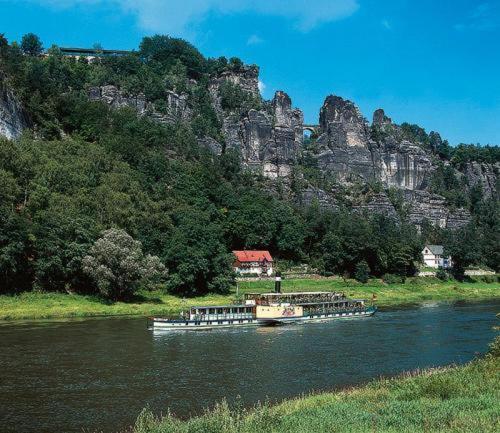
(268, 135)
(13, 119)
(484, 175)
(175, 107)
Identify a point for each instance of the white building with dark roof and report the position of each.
(433, 257)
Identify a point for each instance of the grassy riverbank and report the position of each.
(39, 305)
(452, 399)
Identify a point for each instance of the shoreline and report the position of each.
(43, 306)
(451, 398)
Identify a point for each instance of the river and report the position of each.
(73, 376)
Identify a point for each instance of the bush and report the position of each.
(494, 347)
(489, 279)
(442, 274)
(234, 98)
(362, 272)
(250, 275)
(393, 279)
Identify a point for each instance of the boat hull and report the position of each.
(325, 317)
(195, 325)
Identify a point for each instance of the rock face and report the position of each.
(343, 123)
(176, 106)
(246, 78)
(379, 203)
(344, 144)
(349, 149)
(402, 164)
(485, 175)
(432, 207)
(268, 140)
(380, 119)
(13, 119)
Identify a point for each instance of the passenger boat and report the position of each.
(265, 309)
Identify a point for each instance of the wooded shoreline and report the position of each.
(51, 305)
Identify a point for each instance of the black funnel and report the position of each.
(277, 283)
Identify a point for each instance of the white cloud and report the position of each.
(485, 16)
(181, 17)
(262, 87)
(254, 40)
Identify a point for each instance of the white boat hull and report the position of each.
(324, 317)
(191, 325)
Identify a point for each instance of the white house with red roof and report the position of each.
(253, 262)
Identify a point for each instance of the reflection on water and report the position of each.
(65, 376)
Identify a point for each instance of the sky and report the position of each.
(435, 63)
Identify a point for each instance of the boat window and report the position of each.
(211, 311)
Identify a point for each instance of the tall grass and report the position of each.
(452, 399)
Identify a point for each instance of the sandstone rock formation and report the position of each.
(432, 207)
(485, 175)
(177, 108)
(246, 78)
(344, 144)
(13, 119)
(268, 140)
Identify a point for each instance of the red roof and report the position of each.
(252, 256)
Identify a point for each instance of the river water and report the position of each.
(90, 375)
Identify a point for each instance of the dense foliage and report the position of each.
(86, 169)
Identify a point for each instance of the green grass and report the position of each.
(40, 305)
(452, 399)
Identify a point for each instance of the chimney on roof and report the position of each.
(277, 283)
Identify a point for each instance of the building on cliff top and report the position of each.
(91, 53)
(253, 262)
(433, 257)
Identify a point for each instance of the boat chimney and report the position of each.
(277, 283)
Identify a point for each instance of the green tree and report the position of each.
(362, 272)
(196, 256)
(463, 246)
(31, 45)
(167, 51)
(117, 265)
(16, 254)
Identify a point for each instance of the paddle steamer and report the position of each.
(265, 309)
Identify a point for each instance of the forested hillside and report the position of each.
(142, 143)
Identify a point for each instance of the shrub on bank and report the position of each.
(362, 273)
(490, 279)
(442, 274)
(393, 279)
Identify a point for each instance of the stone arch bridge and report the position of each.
(313, 129)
